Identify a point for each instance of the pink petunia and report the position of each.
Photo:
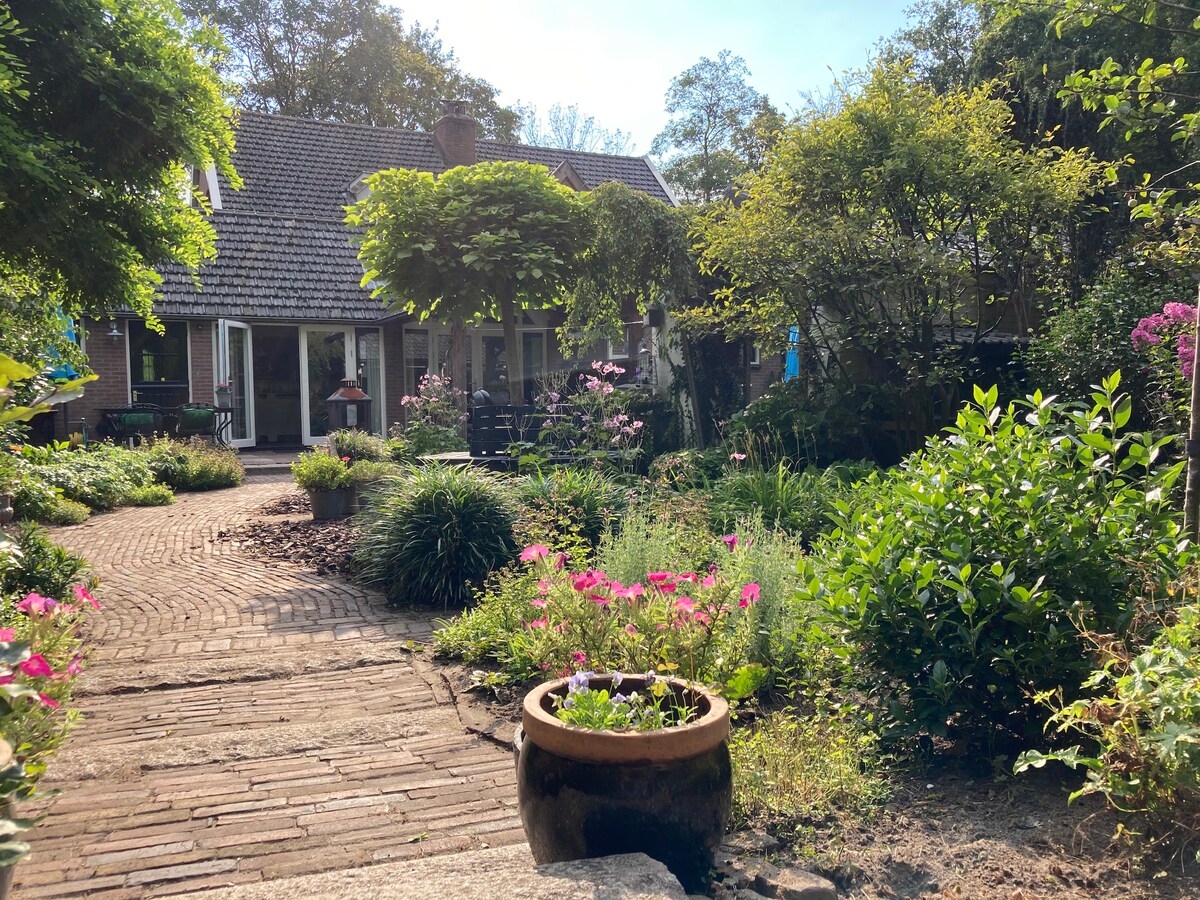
(543, 587)
(750, 594)
(685, 604)
(75, 666)
(560, 561)
(632, 592)
(738, 457)
(83, 596)
(7, 634)
(660, 577)
(533, 552)
(600, 599)
(539, 603)
(709, 581)
(586, 581)
(631, 629)
(539, 623)
(36, 605)
(731, 541)
(35, 667)
(48, 701)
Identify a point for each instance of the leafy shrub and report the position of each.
(570, 501)
(193, 465)
(799, 503)
(367, 471)
(961, 576)
(320, 470)
(100, 476)
(804, 424)
(1145, 728)
(400, 449)
(358, 445)
(39, 566)
(63, 512)
(435, 532)
(424, 439)
(788, 767)
(434, 419)
(150, 495)
(1078, 345)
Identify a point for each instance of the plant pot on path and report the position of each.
(327, 505)
(586, 793)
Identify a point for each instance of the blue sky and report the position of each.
(616, 58)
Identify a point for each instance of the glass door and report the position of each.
(235, 368)
(327, 353)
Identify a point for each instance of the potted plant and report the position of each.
(615, 763)
(224, 392)
(327, 479)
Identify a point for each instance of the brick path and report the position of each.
(244, 720)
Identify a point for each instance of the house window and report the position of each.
(755, 355)
(416, 359)
(620, 349)
(158, 364)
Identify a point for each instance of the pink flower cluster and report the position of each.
(1177, 320)
(35, 666)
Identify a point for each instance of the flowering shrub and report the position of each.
(684, 623)
(320, 470)
(433, 418)
(1168, 340)
(591, 707)
(39, 660)
(588, 419)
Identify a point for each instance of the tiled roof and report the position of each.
(274, 267)
(594, 168)
(282, 250)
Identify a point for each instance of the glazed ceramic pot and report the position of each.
(588, 793)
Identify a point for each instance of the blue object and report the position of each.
(64, 371)
(792, 368)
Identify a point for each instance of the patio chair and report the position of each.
(138, 420)
(196, 420)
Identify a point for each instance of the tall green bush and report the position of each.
(964, 577)
(435, 532)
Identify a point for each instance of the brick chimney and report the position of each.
(455, 134)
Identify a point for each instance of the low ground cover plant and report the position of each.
(435, 532)
(963, 577)
(569, 506)
(1140, 724)
(193, 465)
(100, 477)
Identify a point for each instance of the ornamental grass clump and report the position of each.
(434, 533)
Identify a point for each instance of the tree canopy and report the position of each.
(899, 210)
(713, 117)
(348, 60)
(93, 154)
(570, 129)
(488, 241)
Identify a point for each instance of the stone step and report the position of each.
(494, 874)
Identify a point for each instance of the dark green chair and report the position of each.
(196, 420)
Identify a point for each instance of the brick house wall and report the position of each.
(200, 339)
(764, 375)
(108, 358)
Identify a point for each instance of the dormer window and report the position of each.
(359, 189)
(204, 183)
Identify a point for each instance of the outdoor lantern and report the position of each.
(645, 360)
(349, 406)
(114, 331)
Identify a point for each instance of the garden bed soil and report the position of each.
(284, 530)
(947, 832)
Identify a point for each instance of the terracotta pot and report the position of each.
(328, 505)
(587, 793)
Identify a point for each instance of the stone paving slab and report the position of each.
(243, 720)
(498, 874)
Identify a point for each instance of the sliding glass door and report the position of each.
(235, 367)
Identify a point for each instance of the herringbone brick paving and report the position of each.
(245, 720)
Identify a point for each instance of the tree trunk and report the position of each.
(1191, 497)
(458, 369)
(690, 367)
(513, 356)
